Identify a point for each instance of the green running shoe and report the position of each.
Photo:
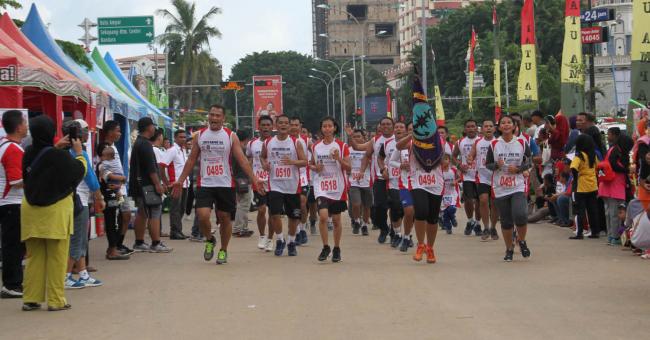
(208, 253)
(222, 256)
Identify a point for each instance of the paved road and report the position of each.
(567, 290)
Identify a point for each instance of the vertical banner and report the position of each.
(527, 84)
(267, 97)
(572, 73)
(497, 66)
(440, 110)
(641, 52)
(389, 105)
(472, 67)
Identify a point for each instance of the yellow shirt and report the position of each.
(586, 175)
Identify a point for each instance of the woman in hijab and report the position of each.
(51, 175)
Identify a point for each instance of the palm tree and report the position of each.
(186, 36)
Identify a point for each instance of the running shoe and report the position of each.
(410, 241)
(468, 228)
(196, 238)
(291, 249)
(324, 254)
(431, 257)
(298, 238)
(279, 247)
(30, 306)
(395, 240)
(477, 229)
(160, 248)
(615, 241)
(141, 248)
(364, 230)
(486, 235)
(404, 246)
(312, 228)
(509, 254)
(91, 282)
(124, 250)
(525, 252)
(355, 227)
(15, 293)
(303, 237)
(73, 284)
(419, 252)
(374, 227)
(268, 247)
(262, 242)
(448, 231)
(494, 234)
(222, 256)
(208, 252)
(336, 254)
(454, 222)
(382, 236)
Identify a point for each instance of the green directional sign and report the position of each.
(125, 30)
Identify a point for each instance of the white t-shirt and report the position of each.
(483, 174)
(356, 157)
(119, 160)
(512, 153)
(331, 182)
(253, 151)
(216, 167)
(177, 158)
(451, 194)
(283, 178)
(390, 147)
(431, 181)
(465, 146)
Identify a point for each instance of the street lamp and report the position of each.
(327, 91)
(340, 69)
(333, 88)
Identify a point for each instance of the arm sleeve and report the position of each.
(534, 148)
(490, 162)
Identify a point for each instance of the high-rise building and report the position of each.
(346, 28)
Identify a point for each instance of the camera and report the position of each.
(72, 129)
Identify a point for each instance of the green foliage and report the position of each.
(10, 3)
(450, 39)
(76, 52)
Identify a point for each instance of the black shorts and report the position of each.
(333, 207)
(395, 205)
(305, 190)
(260, 199)
(483, 188)
(219, 198)
(426, 205)
(470, 190)
(284, 204)
(311, 198)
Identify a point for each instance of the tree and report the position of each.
(185, 37)
(10, 3)
(76, 52)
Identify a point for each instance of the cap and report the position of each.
(144, 123)
(622, 206)
(82, 122)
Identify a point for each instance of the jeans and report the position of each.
(611, 216)
(176, 211)
(79, 239)
(448, 216)
(13, 249)
(243, 206)
(562, 207)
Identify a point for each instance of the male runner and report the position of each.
(401, 160)
(443, 131)
(391, 174)
(379, 188)
(360, 192)
(265, 125)
(468, 175)
(216, 146)
(489, 212)
(283, 156)
(295, 129)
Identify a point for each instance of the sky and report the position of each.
(246, 26)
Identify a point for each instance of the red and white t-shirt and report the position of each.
(432, 181)
(11, 172)
(356, 157)
(483, 174)
(283, 178)
(378, 143)
(451, 194)
(216, 167)
(176, 157)
(512, 153)
(332, 181)
(390, 146)
(304, 171)
(253, 151)
(465, 146)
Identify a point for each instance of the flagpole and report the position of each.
(424, 46)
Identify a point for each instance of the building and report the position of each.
(612, 60)
(152, 66)
(346, 28)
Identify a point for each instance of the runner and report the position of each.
(468, 175)
(295, 132)
(282, 156)
(400, 160)
(478, 154)
(379, 188)
(311, 200)
(215, 147)
(451, 194)
(330, 162)
(265, 125)
(443, 131)
(360, 192)
(509, 157)
(391, 174)
(426, 190)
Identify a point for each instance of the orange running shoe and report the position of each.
(431, 257)
(419, 252)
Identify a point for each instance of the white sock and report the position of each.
(301, 226)
(292, 238)
(279, 236)
(84, 274)
(329, 220)
(68, 276)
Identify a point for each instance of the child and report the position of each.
(450, 195)
(111, 172)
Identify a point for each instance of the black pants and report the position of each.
(380, 198)
(13, 249)
(113, 233)
(587, 207)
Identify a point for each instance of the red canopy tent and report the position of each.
(36, 82)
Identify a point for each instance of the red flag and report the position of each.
(389, 104)
(472, 46)
(528, 23)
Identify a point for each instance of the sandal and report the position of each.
(30, 306)
(56, 309)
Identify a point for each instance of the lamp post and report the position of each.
(362, 55)
(327, 91)
(341, 76)
(330, 82)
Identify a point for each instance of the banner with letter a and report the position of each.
(572, 71)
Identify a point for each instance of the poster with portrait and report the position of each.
(267, 96)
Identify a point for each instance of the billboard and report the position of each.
(376, 109)
(267, 96)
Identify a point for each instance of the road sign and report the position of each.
(125, 30)
(232, 85)
(594, 35)
(597, 15)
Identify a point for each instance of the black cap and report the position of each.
(144, 123)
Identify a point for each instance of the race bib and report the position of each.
(261, 174)
(448, 200)
(329, 184)
(426, 179)
(215, 168)
(282, 172)
(508, 181)
(394, 172)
